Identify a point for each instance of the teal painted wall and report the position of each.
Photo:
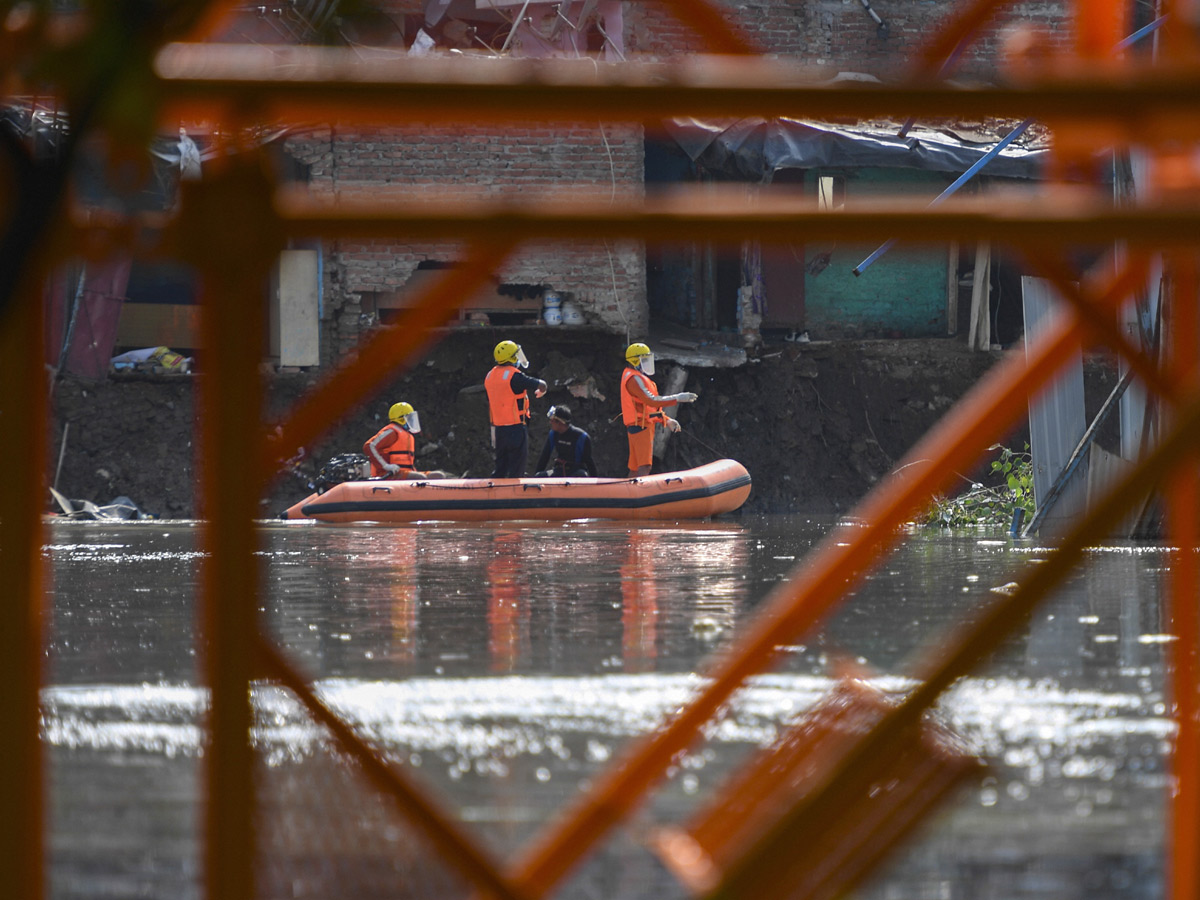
(903, 293)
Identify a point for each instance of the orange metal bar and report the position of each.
(950, 36)
(1184, 848)
(229, 233)
(1058, 217)
(421, 810)
(980, 638)
(979, 419)
(204, 18)
(230, 405)
(721, 35)
(1099, 27)
(387, 351)
(232, 571)
(205, 82)
(738, 848)
(1178, 40)
(1183, 498)
(22, 452)
(1103, 328)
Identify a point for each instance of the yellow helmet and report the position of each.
(405, 416)
(634, 354)
(640, 357)
(510, 352)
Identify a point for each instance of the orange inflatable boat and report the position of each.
(718, 487)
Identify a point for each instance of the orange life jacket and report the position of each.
(505, 407)
(394, 445)
(634, 411)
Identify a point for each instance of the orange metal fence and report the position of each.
(232, 224)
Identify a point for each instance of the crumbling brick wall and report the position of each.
(840, 36)
(590, 160)
(586, 160)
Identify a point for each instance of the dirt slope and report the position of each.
(817, 425)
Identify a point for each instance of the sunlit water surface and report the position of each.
(504, 667)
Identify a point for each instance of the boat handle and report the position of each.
(384, 489)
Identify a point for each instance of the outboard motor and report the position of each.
(343, 467)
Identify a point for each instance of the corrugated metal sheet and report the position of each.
(1057, 419)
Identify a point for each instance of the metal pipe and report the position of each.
(1142, 32)
(882, 30)
(955, 185)
(72, 317)
(1076, 456)
(62, 451)
(515, 25)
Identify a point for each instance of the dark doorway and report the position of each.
(727, 281)
(783, 271)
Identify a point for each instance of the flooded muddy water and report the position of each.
(505, 666)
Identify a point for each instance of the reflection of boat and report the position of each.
(709, 490)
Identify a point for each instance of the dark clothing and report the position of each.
(574, 447)
(512, 451)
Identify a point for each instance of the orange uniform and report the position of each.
(391, 444)
(640, 413)
(504, 406)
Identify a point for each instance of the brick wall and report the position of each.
(839, 36)
(607, 281)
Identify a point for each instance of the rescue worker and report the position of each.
(392, 451)
(573, 446)
(642, 407)
(508, 408)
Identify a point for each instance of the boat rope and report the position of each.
(713, 450)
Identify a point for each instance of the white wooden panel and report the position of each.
(295, 337)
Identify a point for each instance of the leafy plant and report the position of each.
(989, 506)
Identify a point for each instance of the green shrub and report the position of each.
(984, 506)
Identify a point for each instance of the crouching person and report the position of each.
(571, 446)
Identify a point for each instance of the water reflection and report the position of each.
(508, 665)
(507, 602)
(405, 597)
(639, 603)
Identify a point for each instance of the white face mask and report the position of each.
(522, 362)
(647, 364)
(412, 423)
